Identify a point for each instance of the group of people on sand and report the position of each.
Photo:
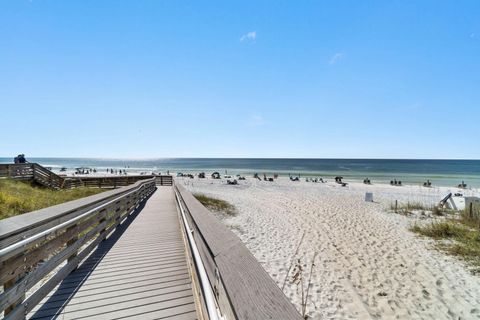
(85, 170)
(115, 171)
(394, 182)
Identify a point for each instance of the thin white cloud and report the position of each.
(336, 57)
(256, 121)
(250, 36)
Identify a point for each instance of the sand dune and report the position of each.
(367, 263)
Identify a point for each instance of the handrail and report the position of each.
(38, 167)
(62, 235)
(10, 250)
(18, 227)
(210, 301)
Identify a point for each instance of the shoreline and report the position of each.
(249, 175)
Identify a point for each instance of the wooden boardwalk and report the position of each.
(139, 272)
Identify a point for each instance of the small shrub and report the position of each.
(215, 204)
(438, 230)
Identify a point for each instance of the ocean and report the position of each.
(439, 172)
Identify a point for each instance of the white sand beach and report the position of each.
(367, 265)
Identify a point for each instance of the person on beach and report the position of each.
(20, 159)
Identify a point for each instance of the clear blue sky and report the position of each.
(361, 79)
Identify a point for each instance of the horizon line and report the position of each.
(252, 158)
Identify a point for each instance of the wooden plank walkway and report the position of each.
(139, 272)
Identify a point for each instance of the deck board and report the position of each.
(139, 272)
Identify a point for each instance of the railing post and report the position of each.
(70, 242)
(10, 283)
(102, 220)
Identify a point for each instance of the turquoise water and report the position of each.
(440, 172)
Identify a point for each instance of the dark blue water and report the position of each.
(440, 172)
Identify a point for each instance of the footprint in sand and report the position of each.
(426, 294)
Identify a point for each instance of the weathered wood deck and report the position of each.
(139, 272)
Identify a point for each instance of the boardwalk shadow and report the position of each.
(54, 305)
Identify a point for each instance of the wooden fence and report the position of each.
(56, 239)
(43, 176)
(103, 182)
(31, 171)
(164, 180)
(242, 288)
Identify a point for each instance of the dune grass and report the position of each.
(471, 219)
(18, 197)
(441, 230)
(215, 204)
(462, 240)
(409, 207)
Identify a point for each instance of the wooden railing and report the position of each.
(46, 177)
(31, 171)
(102, 182)
(242, 288)
(35, 172)
(17, 171)
(164, 180)
(48, 244)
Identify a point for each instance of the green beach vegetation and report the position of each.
(409, 207)
(215, 204)
(458, 235)
(18, 197)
